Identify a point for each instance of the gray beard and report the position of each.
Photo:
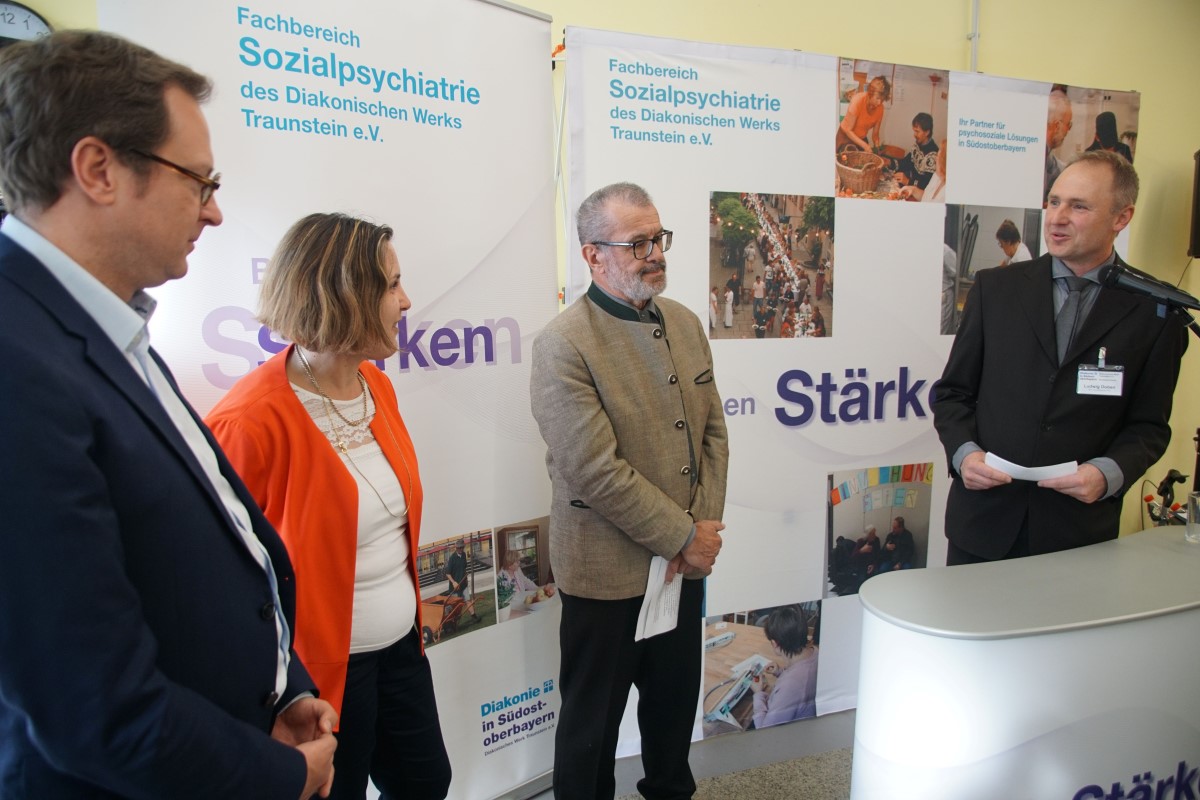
(634, 288)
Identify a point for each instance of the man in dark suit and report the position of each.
(1013, 384)
(147, 605)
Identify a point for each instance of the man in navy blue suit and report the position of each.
(145, 603)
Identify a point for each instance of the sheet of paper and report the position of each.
(1030, 473)
(660, 608)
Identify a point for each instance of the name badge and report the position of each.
(1104, 381)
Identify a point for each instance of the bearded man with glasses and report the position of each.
(623, 393)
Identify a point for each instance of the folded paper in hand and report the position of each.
(660, 607)
(1030, 473)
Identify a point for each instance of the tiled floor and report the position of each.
(825, 776)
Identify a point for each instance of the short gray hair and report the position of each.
(592, 220)
(1125, 182)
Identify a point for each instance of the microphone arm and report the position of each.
(1134, 281)
(1190, 321)
(1126, 278)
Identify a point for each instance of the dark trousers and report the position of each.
(389, 727)
(600, 661)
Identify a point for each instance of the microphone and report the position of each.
(1135, 281)
(1173, 476)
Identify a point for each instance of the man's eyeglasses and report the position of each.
(642, 248)
(207, 185)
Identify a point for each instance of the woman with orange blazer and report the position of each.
(317, 437)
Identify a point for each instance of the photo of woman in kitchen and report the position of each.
(891, 128)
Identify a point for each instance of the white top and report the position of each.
(1022, 254)
(385, 600)
(1144, 575)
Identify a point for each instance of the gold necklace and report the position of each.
(345, 448)
(400, 455)
(362, 383)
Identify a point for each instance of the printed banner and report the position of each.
(838, 209)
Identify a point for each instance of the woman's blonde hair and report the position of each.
(324, 284)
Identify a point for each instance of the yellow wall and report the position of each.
(1150, 46)
(66, 13)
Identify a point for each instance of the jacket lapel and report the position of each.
(260, 527)
(1037, 299)
(30, 276)
(172, 434)
(1111, 306)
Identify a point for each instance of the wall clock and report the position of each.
(19, 23)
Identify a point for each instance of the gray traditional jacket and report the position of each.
(637, 446)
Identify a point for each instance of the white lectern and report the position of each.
(1073, 675)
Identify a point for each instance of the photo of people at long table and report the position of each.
(891, 132)
(771, 260)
